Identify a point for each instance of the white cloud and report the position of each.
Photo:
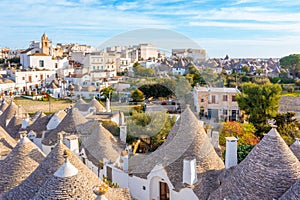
(295, 27)
(127, 6)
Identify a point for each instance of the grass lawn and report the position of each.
(44, 106)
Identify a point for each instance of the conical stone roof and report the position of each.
(295, 147)
(98, 106)
(7, 143)
(68, 125)
(66, 183)
(37, 114)
(30, 186)
(266, 173)
(19, 164)
(293, 192)
(14, 126)
(40, 124)
(101, 144)
(9, 113)
(190, 140)
(3, 106)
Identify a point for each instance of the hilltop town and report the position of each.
(133, 122)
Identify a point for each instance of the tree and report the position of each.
(137, 95)
(139, 70)
(194, 76)
(246, 69)
(244, 131)
(292, 63)
(107, 92)
(288, 126)
(155, 91)
(260, 102)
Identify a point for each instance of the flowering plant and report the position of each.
(101, 189)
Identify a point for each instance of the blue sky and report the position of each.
(239, 28)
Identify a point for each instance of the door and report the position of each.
(164, 192)
(109, 173)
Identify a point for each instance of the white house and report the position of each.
(25, 80)
(179, 169)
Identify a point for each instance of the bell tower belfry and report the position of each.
(45, 44)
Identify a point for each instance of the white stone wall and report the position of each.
(35, 62)
(27, 79)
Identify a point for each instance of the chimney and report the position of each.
(71, 141)
(189, 171)
(215, 139)
(107, 105)
(208, 132)
(25, 123)
(123, 133)
(231, 152)
(124, 160)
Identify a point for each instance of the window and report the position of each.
(233, 98)
(23, 78)
(225, 98)
(41, 63)
(202, 100)
(56, 65)
(213, 99)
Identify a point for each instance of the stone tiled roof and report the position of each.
(30, 186)
(14, 126)
(118, 194)
(7, 143)
(10, 111)
(3, 106)
(37, 114)
(96, 104)
(293, 192)
(40, 124)
(101, 144)
(74, 186)
(68, 124)
(295, 147)
(190, 140)
(266, 173)
(19, 164)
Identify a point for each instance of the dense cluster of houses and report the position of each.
(41, 159)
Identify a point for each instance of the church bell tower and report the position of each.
(45, 44)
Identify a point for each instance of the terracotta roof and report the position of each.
(68, 124)
(30, 186)
(295, 147)
(101, 144)
(7, 143)
(14, 126)
(266, 173)
(190, 140)
(19, 164)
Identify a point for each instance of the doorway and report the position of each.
(164, 192)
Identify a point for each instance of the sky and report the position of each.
(239, 28)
